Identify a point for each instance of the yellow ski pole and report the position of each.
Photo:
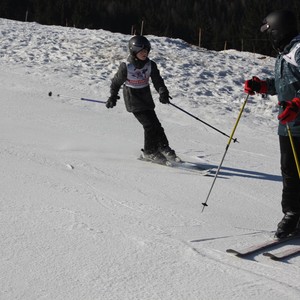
(293, 148)
(227, 146)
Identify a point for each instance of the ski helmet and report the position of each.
(138, 43)
(281, 26)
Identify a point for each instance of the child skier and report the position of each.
(134, 76)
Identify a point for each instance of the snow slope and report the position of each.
(82, 218)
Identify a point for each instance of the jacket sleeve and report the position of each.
(118, 80)
(271, 86)
(297, 84)
(157, 80)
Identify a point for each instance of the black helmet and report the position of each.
(281, 25)
(138, 43)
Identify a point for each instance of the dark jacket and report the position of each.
(134, 76)
(286, 82)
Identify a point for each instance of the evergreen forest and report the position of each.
(212, 24)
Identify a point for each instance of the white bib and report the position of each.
(138, 78)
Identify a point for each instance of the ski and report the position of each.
(164, 162)
(193, 167)
(260, 246)
(280, 255)
(183, 165)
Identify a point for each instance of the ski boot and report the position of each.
(155, 157)
(289, 225)
(169, 154)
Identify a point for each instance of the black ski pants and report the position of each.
(290, 177)
(154, 134)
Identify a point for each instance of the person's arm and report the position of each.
(159, 84)
(116, 83)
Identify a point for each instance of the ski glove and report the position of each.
(255, 85)
(291, 110)
(112, 101)
(164, 96)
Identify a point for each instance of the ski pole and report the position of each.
(234, 139)
(83, 99)
(293, 148)
(227, 146)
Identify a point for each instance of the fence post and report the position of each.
(200, 36)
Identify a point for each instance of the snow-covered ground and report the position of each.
(82, 218)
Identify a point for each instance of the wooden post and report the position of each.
(200, 36)
(225, 45)
(142, 27)
(26, 15)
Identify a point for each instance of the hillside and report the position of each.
(82, 218)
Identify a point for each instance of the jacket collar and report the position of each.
(288, 47)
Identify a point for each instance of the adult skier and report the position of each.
(134, 76)
(281, 28)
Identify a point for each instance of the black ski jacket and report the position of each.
(134, 76)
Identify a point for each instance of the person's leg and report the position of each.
(290, 177)
(154, 134)
(290, 202)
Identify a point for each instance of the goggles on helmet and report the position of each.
(138, 47)
(264, 27)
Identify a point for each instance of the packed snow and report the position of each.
(83, 218)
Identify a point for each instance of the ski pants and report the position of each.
(154, 134)
(290, 177)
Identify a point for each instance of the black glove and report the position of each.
(164, 96)
(112, 101)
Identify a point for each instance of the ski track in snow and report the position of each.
(82, 218)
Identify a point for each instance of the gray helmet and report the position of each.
(138, 43)
(281, 26)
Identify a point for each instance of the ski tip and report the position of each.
(232, 251)
(236, 253)
(270, 255)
